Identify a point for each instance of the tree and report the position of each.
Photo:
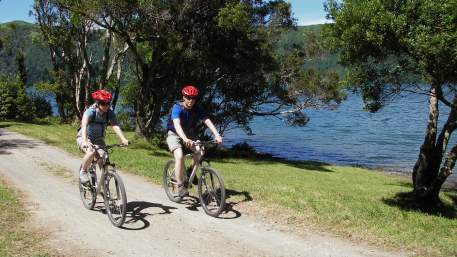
(79, 66)
(226, 48)
(395, 46)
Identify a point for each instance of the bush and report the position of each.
(8, 96)
(41, 108)
(16, 104)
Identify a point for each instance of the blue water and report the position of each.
(388, 140)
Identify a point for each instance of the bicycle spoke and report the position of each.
(115, 199)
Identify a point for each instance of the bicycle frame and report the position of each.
(103, 166)
(201, 146)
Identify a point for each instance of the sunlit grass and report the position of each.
(15, 239)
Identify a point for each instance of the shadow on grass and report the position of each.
(267, 159)
(161, 154)
(136, 214)
(4, 126)
(409, 202)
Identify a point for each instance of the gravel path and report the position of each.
(154, 225)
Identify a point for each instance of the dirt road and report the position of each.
(154, 225)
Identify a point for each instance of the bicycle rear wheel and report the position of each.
(87, 191)
(211, 192)
(169, 183)
(115, 198)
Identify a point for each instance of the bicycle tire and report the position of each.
(115, 208)
(88, 193)
(211, 192)
(169, 183)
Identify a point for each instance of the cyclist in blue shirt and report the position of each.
(181, 124)
(93, 126)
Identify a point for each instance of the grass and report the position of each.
(351, 202)
(15, 239)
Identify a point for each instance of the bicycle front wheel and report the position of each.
(169, 183)
(115, 198)
(87, 192)
(211, 192)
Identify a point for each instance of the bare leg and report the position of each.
(87, 157)
(196, 158)
(179, 165)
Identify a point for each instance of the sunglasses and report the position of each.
(190, 97)
(103, 103)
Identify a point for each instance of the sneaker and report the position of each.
(189, 172)
(83, 177)
(182, 191)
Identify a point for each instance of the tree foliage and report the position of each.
(226, 48)
(395, 46)
(78, 64)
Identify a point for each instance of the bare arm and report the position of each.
(84, 122)
(120, 134)
(213, 129)
(180, 132)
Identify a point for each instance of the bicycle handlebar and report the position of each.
(107, 147)
(205, 143)
(115, 145)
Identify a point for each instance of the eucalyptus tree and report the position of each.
(80, 62)
(396, 46)
(226, 48)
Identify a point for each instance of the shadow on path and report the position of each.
(136, 214)
(193, 203)
(135, 218)
(246, 197)
(11, 144)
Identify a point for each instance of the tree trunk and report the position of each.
(422, 173)
(445, 171)
(429, 172)
(61, 108)
(140, 114)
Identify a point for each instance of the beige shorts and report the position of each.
(101, 152)
(79, 142)
(174, 142)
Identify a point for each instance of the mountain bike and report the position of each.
(210, 189)
(110, 186)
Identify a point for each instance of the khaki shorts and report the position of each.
(79, 142)
(174, 142)
(101, 152)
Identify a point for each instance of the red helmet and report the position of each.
(102, 95)
(189, 90)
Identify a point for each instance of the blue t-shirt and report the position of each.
(98, 122)
(187, 117)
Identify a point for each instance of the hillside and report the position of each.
(20, 35)
(24, 35)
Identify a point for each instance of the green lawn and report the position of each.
(15, 239)
(355, 203)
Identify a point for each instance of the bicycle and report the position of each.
(211, 190)
(114, 196)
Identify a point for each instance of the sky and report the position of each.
(306, 12)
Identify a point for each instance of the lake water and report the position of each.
(389, 139)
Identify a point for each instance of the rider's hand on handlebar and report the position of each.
(85, 144)
(188, 142)
(218, 139)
